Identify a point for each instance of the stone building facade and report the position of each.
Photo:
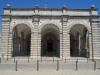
(50, 32)
(0, 40)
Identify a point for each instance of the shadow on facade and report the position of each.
(50, 43)
(21, 40)
(79, 45)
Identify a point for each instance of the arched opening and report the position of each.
(50, 41)
(21, 40)
(79, 41)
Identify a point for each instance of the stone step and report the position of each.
(21, 58)
(78, 58)
(50, 58)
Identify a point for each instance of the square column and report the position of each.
(10, 46)
(66, 48)
(90, 47)
(65, 39)
(35, 39)
(5, 36)
(39, 45)
(61, 46)
(34, 45)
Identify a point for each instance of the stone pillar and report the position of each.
(65, 39)
(35, 38)
(61, 46)
(95, 32)
(79, 44)
(90, 46)
(68, 46)
(86, 47)
(39, 45)
(5, 36)
(5, 39)
(83, 49)
(10, 45)
(34, 44)
(95, 39)
(65, 46)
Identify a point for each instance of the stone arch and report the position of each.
(28, 24)
(79, 23)
(58, 25)
(50, 40)
(78, 40)
(21, 37)
(52, 27)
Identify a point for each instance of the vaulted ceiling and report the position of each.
(78, 29)
(22, 28)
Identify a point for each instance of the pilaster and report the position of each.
(35, 49)
(65, 38)
(90, 46)
(5, 36)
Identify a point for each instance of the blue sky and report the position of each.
(50, 4)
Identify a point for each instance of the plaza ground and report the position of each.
(67, 67)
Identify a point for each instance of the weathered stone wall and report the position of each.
(96, 39)
(5, 37)
(0, 40)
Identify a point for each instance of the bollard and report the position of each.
(65, 60)
(46, 54)
(16, 66)
(37, 65)
(41, 59)
(77, 59)
(87, 60)
(0, 60)
(53, 56)
(28, 59)
(53, 59)
(14, 59)
(94, 65)
(57, 65)
(76, 65)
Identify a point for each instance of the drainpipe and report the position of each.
(92, 39)
(8, 42)
(62, 39)
(92, 7)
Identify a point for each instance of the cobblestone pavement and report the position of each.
(49, 67)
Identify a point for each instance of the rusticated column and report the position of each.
(35, 38)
